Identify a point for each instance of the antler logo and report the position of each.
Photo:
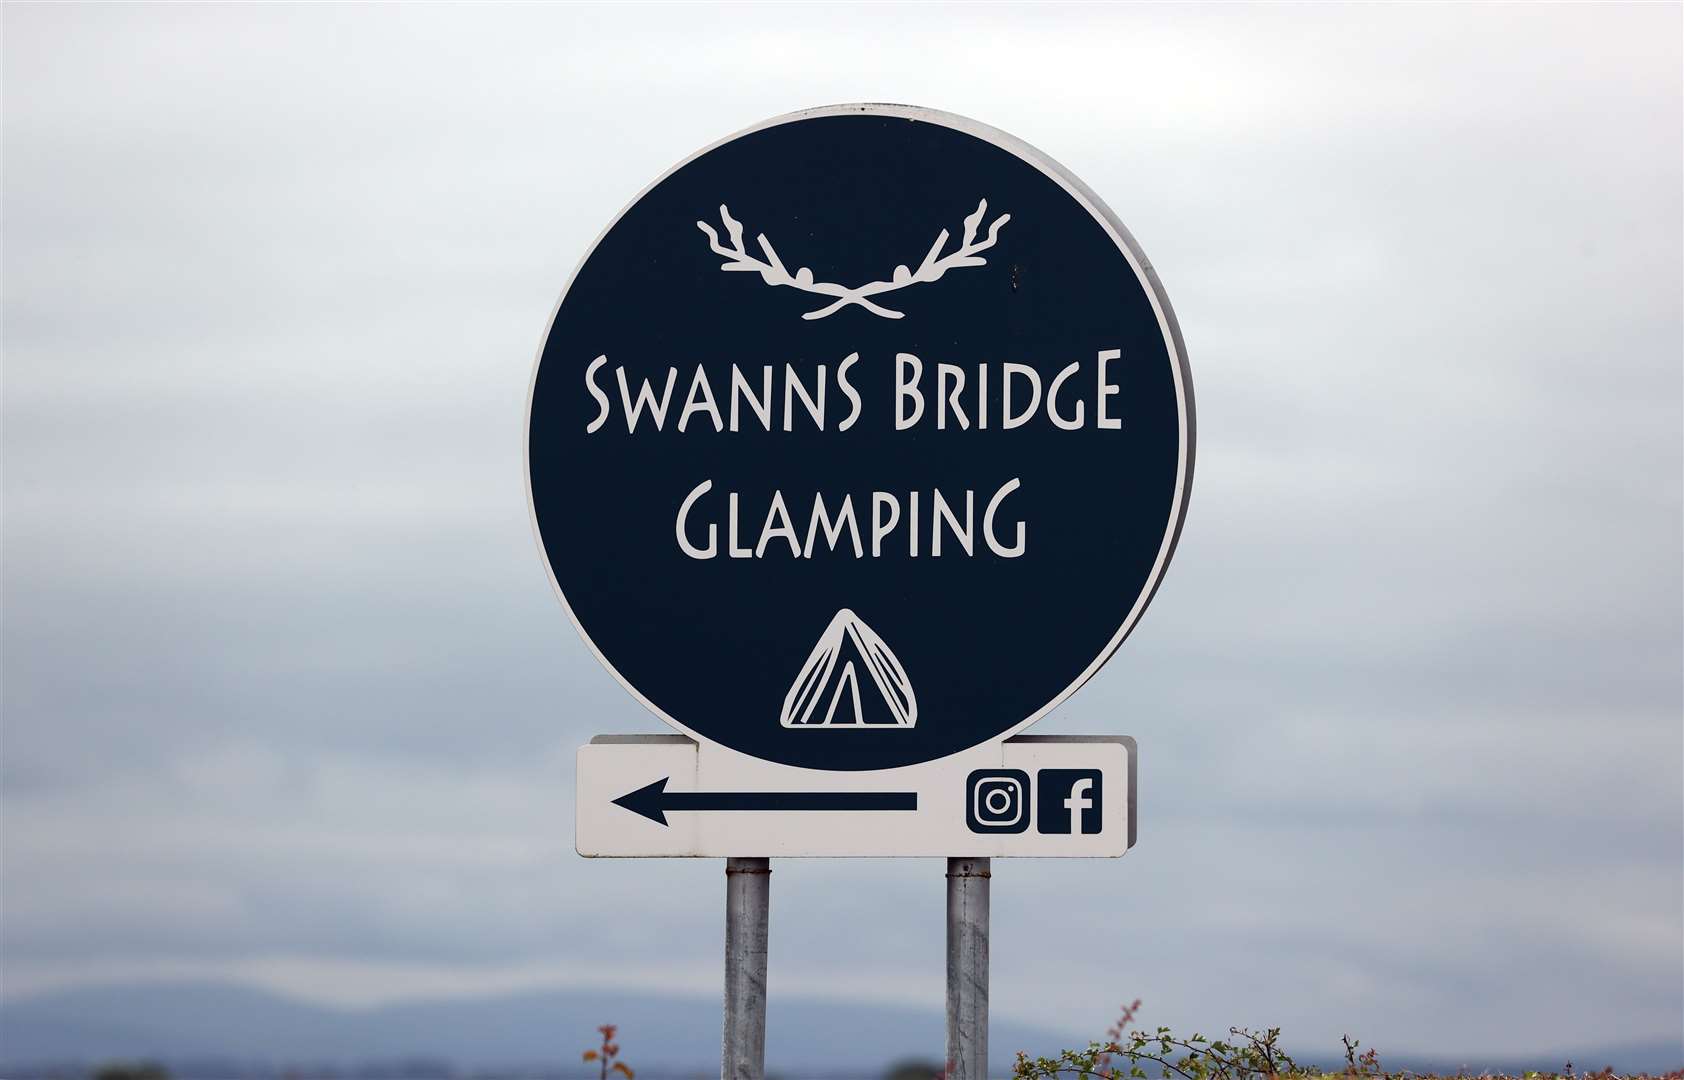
(827, 691)
(935, 264)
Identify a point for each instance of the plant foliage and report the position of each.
(1243, 1055)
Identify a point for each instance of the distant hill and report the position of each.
(211, 1021)
(663, 1034)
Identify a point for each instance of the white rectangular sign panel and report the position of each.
(650, 796)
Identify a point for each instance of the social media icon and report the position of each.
(1068, 800)
(997, 801)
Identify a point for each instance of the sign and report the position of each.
(858, 442)
(860, 439)
(666, 795)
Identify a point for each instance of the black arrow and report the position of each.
(653, 800)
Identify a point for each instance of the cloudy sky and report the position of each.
(289, 700)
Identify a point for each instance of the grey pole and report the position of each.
(967, 969)
(747, 901)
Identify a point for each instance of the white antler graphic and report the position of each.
(935, 264)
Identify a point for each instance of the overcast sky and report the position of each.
(287, 696)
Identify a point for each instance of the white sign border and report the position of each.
(1097, 209)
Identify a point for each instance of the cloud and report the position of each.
(287, 698)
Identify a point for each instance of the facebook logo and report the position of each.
(1067, 800)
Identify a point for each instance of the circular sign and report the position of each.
(860, 438)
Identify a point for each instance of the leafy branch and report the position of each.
(1250, 1056)
(1245, 1055)
(607, 1056)
(773, 272)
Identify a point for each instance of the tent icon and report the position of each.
(828, 694)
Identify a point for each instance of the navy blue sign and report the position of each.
(859, 439)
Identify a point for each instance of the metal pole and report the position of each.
(967, 969)
(747, 902)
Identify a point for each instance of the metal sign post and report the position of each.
(967, 968)
(857, 443)
(747, 910)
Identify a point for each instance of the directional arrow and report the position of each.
(653, 800)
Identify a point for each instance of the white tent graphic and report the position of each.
(826, 694)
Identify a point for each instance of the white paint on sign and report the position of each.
(935, 264)
(822, 682)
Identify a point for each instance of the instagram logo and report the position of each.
(997, 801)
